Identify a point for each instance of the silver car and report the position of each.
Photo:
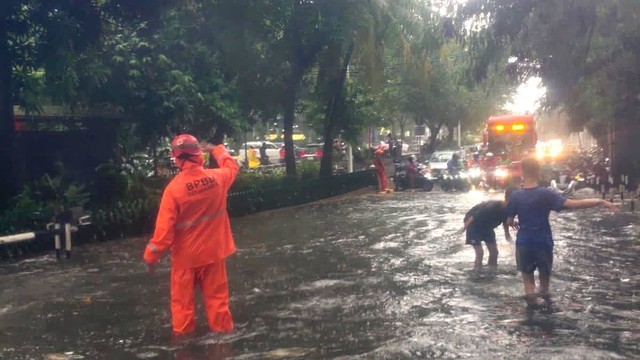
(438, 161)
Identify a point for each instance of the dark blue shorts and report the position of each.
(530, 258)
(475, 236)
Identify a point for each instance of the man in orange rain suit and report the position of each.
(380, 169)
(193, 223)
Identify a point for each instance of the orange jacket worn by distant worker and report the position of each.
(380, 169)
(194, 225)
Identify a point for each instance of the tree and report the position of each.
(170, 77)
(586, 53)
(45, 37)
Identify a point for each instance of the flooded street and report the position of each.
(371, 276)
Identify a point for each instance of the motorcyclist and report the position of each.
(474, 160)
(489, 161)
(504, 159)
(264, 159)
(411, 167)
(453, 165)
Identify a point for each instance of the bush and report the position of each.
(308, 169)
(26, 213)
(132, 206)
(125, 218)
(41, 201)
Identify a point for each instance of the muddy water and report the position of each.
(374, 276)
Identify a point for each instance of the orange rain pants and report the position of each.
(383, 179)
(381, 171)
(212, 280)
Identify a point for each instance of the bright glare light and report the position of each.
(475, 195)
(527, 98)
(499, 127)
(500, 173)
(517, 127)
(475, 172)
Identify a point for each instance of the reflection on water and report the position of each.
(377, 276)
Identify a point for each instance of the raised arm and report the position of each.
(589, 203)
(227, 165)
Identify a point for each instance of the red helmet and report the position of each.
(185, 145)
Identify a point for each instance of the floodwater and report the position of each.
(370, 276)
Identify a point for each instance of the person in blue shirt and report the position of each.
(534, 242)
(453, 164)
(480, 222)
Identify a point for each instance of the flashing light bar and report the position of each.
(500, 127)
(517, 127)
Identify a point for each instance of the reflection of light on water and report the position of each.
(475, 195)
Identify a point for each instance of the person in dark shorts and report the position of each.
(534, 243)
(479, 223)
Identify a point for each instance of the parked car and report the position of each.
(297, 151)
(312, 151)
(273, 151)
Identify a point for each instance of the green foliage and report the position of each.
(192, 66)
(39, 202)
(59, 192)
(247, 180)
(308, 170)
(125, 218)
(587, 54)
(25, 213)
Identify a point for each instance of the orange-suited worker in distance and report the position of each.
(380, 170)
(194, 225)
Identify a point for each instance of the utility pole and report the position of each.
(349, 158)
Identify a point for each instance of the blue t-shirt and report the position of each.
(532, 207)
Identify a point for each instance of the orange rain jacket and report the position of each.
(193, 220)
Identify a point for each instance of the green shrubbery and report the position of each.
(41, 201)
(125, 202)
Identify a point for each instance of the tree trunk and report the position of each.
(333, 113)
(291, 94)
(403, 125)
(433, 137)
(450, 133)
(7, 127)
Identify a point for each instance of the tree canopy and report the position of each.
(587, 54)
(198, 66)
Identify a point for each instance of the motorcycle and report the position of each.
(476, 178)
(401, 181)
(458, 181)
(497, 178)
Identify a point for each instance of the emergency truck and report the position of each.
(510, 136)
